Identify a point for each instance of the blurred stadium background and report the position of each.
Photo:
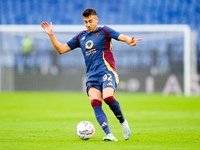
(30, 63)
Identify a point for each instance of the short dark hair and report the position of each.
(88, 12)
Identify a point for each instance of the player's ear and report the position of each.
(97, 19)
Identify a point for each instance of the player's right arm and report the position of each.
(61, 48)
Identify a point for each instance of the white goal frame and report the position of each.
(122, 28)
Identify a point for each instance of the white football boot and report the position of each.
(109, 137)
(126, 130)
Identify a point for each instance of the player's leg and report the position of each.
(95, 96)
(108, 96)
(109, 87)
(113, 103)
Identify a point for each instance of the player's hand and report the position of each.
(133, 41)
(47, 28)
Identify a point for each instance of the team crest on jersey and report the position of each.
(89, 44)
(97, 34)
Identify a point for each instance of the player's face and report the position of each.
(91, 22)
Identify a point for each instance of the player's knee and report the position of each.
(94, 93)
(109, 100)
(96, 102)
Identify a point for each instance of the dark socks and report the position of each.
(115, 107)
(100, 115)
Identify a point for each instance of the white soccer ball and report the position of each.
(85, 130)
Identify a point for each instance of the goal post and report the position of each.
(168, 28)
(155, 35)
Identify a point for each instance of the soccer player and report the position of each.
(102, 78)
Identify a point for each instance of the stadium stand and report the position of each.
(120, 12)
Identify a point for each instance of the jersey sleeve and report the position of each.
(74, 42)
(112, 33)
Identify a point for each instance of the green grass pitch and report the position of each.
(48, 121)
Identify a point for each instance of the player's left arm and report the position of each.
(130, 41)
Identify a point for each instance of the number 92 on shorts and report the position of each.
(108, 79)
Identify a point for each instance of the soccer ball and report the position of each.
(85, 130)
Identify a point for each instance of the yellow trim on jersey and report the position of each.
(111, 69)
(110, 45)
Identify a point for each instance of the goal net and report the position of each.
(163, 62)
